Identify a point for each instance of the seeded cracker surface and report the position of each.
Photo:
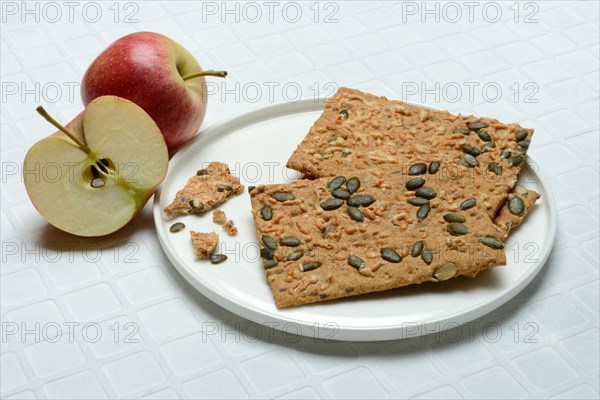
(426, 189)
(204, 191)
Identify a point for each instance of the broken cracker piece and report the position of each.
(204, 243)
(229, 228)
(219, 217)
(518, 204)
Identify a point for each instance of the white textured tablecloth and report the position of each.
(132, 327)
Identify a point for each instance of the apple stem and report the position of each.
(61, 128)
(210, 72)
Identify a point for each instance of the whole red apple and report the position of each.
(157, 74)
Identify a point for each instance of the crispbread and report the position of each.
(508, 220)
(204, 243)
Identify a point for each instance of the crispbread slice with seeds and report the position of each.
(317, 247)
(205, 190)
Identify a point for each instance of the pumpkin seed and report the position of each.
(346, 153)
(434, 166)
(423, 212)
(341, 194)
(218, 258)
(445, 272)
(417, 169)
(290, 242)
(454, 217)
(295, 256)
(505, 154)
(329, 229)
(283, 196)
(353, 184)
(266, 213)
(331, 204)
(365, 201)
(415, 183)
(97, 183)
(474, 151)
(457, 229)
(461, 130)
(521, 134)
(474, 126)
(269, 241)
(417, 248)
(343, 114)
(390, 255)
(495, 168)
(222, 188)
(418, 201)
(356, 262)
(309, 266)
(516, 160)
(355, 214)
(177, 227)
(462, 163)
(196, 205)
(516, 206)
(201, 172)
(267, 253)
(468, 203)
(492, 242)
(427, 256)
(426, 193)
(471, 161)
(483, 135)
(487, 146)
(336, 183)
(524, 144)
(268, 264)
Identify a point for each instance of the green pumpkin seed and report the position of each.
(341, 194)
(456, 229)
(415, 183)
(196, 205)
(267, 253)
(445, 272)
(505, 154)
(423, 212)
(202, 172)
(516, 160)
(417, 169)
(268, 264)
(417, 248)
(427, 256)
(390, 255)
(295, 256)
(343, 114)
(474, 126)
(283, 196)
(463, 131)
(218, 258)
(487, 146)
(269, 242)
(492, 242)
(524, 144)
(222, 188)
(358, 201)
(516, 206)
(309, 266)
(355, 214)
(474, 151)
(353, 184)
(483, 135)
(455, 217)
(177, 227)
(418, 201)
(471, 161)
(356, 262)
(521, 134)
(462, 163)
(495, 168)
(290, 242)
(434, 166)
(266, 213)
(336, 183)
(468, 203)
(426, 193)
(329, 229)
(331, 204)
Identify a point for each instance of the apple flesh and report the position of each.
(159, 75)
(91, 177)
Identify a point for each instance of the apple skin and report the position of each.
(147, 68)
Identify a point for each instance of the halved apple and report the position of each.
(91, 177)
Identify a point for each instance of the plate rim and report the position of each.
(344, 333)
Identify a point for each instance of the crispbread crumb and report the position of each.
(229, 228)
(219, 217)
(204, 243)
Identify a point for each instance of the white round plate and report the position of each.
(256, 145)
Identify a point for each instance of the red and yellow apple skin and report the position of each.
(148, 68)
